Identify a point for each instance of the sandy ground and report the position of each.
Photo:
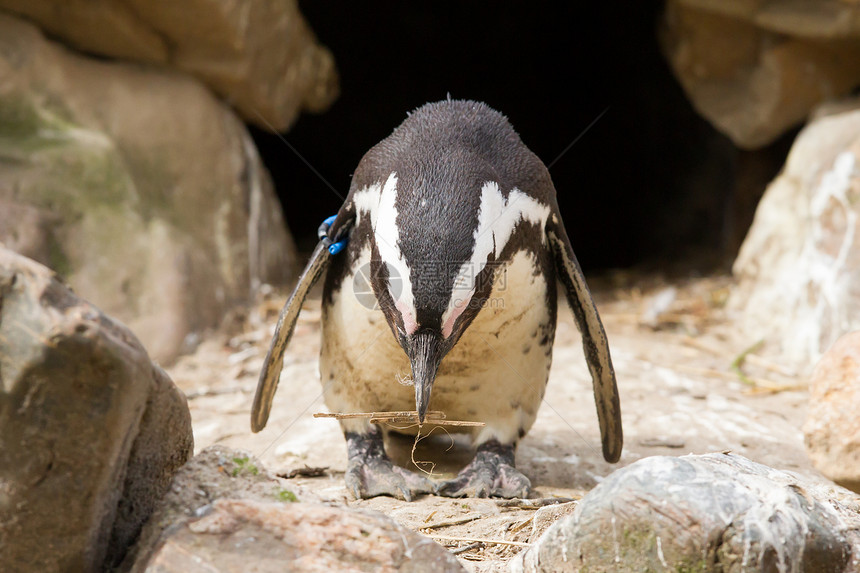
(673, 347)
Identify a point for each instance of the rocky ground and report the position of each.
(689, 383)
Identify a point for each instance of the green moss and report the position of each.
(27, 126)
(286, 495)
(244, 465)
(637, 549)
(19, 119)
(57, 259)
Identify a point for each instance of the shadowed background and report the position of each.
(649, 181)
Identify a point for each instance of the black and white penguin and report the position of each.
(454, 223)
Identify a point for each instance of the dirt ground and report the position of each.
(689, 383)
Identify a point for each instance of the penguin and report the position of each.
(445, 298)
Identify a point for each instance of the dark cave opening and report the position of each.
(641, 178)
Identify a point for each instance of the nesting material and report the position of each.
(434, 417)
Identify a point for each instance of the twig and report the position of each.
(477, 540)
(435, 421)
(751, 358)
(768, 365)
(522, 525)
(403, 414)
(450, 522)
(701, 345)
(533, 503)
(774, 389)
(306, 471)
(475, 545)
(203, 392)
(409, 417)
(716, 374)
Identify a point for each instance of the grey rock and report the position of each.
(225, 512)
(138, 186)
(756, 69)
(260, 56)
(91, 431)
(546, 516)
(799, 266)
(714, 512)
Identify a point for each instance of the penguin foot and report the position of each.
(370, 472)
(491, 473)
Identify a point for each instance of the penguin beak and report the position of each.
(425, 354)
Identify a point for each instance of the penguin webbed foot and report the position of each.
(370, 472)
(490, 473)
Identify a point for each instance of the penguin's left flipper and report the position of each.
(594, 342)
(271, 371)
(490, 474)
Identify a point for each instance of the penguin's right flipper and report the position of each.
(594, 342)
(271, 372)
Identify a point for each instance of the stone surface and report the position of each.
(91, 431)
(814, 19)
(272, 537)
(713, 512)
(225, 512)
(138, 186)
(546, 516)
(754, 69)
(832, 428)
(259, 55)
(798, 270)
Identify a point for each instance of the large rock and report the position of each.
(91, 431)
(812, 19)
(259, 55)
(709, 513)
(832, 428)
(798, 270)
(226, 513)
(756, 69)
(138, 186)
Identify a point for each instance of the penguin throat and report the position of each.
(455, 309)
(410, 324)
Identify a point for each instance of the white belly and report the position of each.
(495, 374)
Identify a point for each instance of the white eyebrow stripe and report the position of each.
(378, 202)
(497, 219)
(366, 202)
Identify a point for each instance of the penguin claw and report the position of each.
(371, 473)
(381, 477)
(490, 474)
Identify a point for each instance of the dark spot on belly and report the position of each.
(527, 348)
(522, 432)
(471, 412)
(535, 334)
(474, 387)
(515, 404)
